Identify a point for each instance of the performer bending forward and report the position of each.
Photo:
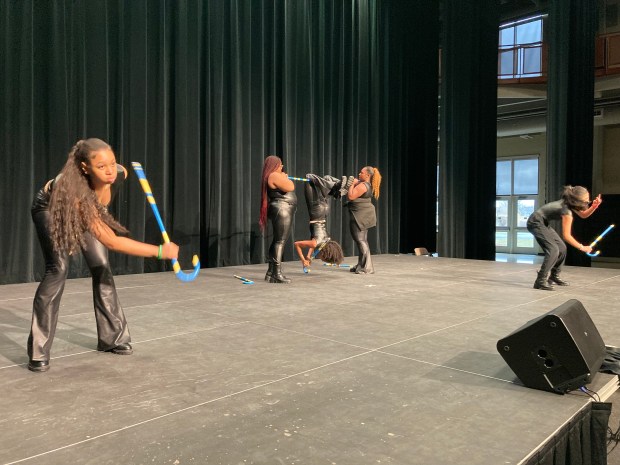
(70, 213)
(363, 215)
(316, 191)
(279, 190)
(574, 199)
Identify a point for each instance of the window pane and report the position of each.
(532, 61)
(503, 180)
(525, 207)
(501, 213)
(525, 239)
(501, 238)
(507, 62)
(526, 176)
(529, 33)
(507, 37)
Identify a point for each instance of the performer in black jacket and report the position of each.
(363, 214)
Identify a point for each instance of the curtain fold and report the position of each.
(200, 92)
(581, 441)
(570, 132)
(468, 130)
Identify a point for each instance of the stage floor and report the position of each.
(399, 367)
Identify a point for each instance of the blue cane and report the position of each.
(185, 277)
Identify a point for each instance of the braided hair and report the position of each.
(271, 164)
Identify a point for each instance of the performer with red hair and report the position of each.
(278, 204)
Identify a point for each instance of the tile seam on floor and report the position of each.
(185, 409)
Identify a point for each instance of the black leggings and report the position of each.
(364, 259)
(281, 215)
(111, 324)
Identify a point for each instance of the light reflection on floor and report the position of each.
(518, 258)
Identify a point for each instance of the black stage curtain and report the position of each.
(200, 92)
(570, 132)
(415, 131)
(582, 441)
(468, 130)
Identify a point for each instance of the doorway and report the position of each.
(516, 199)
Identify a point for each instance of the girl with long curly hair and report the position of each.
(278, 204)
(575, 199)
(363, 215)
(70, 214)
(316, 191)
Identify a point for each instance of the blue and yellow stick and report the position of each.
(149, 196)
(244, 280)
(298, 179)
(609, 228)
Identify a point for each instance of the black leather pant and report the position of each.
(111, 324)
(360, 236)
(552, 244)
(281, 215)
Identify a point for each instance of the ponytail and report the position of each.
(375, 180)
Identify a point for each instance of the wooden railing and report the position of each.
(607, 54)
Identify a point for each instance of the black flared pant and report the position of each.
(111, 323)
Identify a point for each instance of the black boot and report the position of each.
(554, 277)
(269, 273)
(542, 283)
(277, 276)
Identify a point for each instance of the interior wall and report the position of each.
(535, 144)
(609, 160)
(606, 159)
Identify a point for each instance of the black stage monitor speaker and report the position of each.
(559, 351)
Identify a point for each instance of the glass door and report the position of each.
(503, 242)
(522, 240)
(517, 199)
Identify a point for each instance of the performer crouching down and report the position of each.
(316, 191)
(280, 191)
(70, 213)
(574, 199)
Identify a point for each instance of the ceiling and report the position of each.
(514, 9)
